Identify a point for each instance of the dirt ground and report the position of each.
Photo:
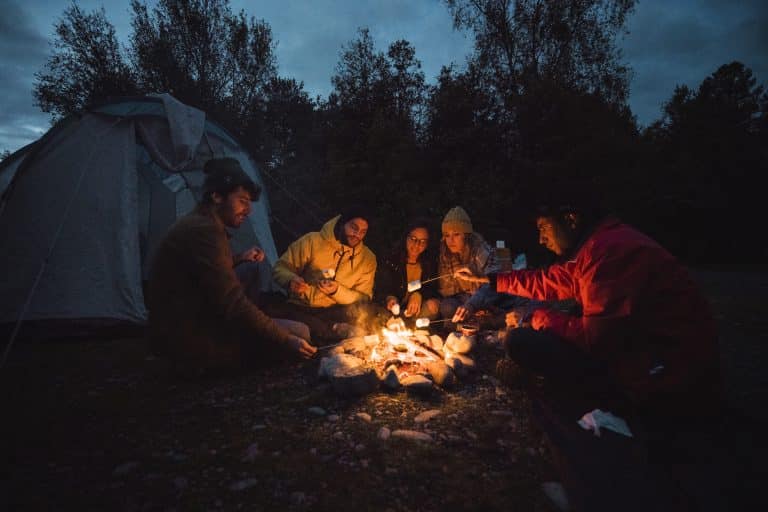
(101, 425)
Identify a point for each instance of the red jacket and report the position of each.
(642, 314)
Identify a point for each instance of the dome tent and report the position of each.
(83, 208)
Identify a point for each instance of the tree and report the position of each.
(86, 66)
(708, 152)
(205, 55)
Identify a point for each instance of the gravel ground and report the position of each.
(100, 424)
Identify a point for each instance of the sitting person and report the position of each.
(464, 249)
(410, 261)
(329, 277)
(644, 348)
(198, 312)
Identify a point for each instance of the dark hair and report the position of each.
(223, 176)
(399, 251)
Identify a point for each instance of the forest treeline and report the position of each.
(538, 109)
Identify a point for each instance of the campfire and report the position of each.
(398, 357)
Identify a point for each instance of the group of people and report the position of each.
(641, 341)
(206, 309)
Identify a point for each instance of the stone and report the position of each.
(441, 373)
(412, 435)
(426, 415)
(124, 469)
(390, 380)
(336, 350)
(354, 345)
(356, 381)
(371, 340)
(364, 416)
(317, 411)
(459, 344)
(331, 364)
(241, 485)
(333, 417)
(384, 433)
(251, 453)
(417, 384)
(460, 364)
(436, 342)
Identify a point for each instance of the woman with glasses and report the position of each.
(410, 260)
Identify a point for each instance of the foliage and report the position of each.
(86, 65)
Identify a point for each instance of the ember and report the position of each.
(398, 357)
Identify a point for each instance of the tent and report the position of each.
(83, 208)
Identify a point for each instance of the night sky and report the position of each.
(669, 42)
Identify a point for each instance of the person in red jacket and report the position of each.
(643, 347)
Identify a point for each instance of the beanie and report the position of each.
(457, 219)
(223, 175)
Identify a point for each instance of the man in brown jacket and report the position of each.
(198, 312)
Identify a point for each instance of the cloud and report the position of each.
(23, 51)
(683, 42)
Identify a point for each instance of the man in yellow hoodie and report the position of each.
(329, 275)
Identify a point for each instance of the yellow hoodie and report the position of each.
(320, 250)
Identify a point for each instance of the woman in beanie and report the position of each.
(461, 248)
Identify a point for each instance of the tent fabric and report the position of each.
(95, 196)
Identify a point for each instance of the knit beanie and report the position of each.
(457, 219)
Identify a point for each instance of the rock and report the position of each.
(426, 415)
(421, 332)
(298, 498)
(251, 452)
(330, 365)
(180, 483)
(317, 411)
(371, 340)
(441, 373)
(417, 384)
(354, 381)
(124, 469)
(333, 417)
(412, 435)
(557, 496)
(460, 364)
(436, 342)
(459, 344)
(391, 381)
(384, 433)
(243, 484)
(364, 416)
(336, 350)
(354, 345)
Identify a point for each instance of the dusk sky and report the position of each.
(669, 42)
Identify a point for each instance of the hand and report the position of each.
(462, 313)
(414, 305)
(328, 286)
(465, 274)
(513, 319)
(298, 285)
(253, 254)
(301, 347)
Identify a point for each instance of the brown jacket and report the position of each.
(198, 312)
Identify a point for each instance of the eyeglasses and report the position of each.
(420, 241)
